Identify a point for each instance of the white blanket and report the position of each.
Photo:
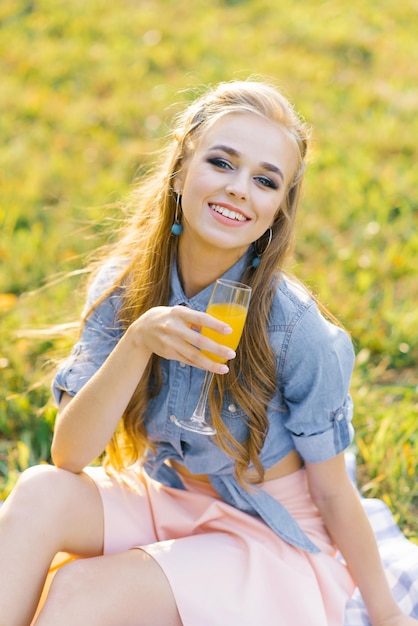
(399, 556)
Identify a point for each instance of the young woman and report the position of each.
(239, 528)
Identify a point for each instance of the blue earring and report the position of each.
(259, 253)
(177, 227)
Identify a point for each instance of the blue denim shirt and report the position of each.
(311, 411)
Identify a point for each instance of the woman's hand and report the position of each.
(173, 333)
(345, 519)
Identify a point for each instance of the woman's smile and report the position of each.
(226, 214)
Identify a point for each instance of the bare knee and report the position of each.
(46, 497)
(111, 589)
(70, 582)
(66, 593)
(41, 488)
(40, 477)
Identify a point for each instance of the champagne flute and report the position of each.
(228, 302)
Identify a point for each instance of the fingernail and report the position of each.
(223, 369)
(231, 354)
(227, 330)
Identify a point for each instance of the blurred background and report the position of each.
(87, 93)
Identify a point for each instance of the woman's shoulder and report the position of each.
(291, 300)
(297, 311)
(104, 277)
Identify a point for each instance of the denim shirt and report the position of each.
(310, 412)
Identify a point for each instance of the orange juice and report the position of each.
(232, 314)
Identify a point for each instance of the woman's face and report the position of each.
(234, 182)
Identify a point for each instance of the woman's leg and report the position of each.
(127, 589)
(49, 510)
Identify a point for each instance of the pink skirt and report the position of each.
(225, 566)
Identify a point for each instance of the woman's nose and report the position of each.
(238, 186)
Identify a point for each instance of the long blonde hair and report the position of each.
(150, 247)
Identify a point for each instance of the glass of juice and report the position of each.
(229, 302)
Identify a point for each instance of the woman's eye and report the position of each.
(221, 163)
(266, 182)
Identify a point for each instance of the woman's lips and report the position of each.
(228, 212)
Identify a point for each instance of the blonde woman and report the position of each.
(240, 528)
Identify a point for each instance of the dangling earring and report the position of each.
(177, 227)
(259, 253)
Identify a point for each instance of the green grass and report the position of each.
(87, 92)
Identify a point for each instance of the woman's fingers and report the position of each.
(199, 319)
(195, 321)
(175, 333)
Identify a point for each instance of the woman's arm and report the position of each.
(85, 424)
(344, 517)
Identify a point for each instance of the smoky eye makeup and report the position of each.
(219, 162)
(223, 163)
(266, 182)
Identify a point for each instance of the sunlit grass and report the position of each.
(87, 92)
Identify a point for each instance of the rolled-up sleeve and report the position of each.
(101, 332)
(316, 378)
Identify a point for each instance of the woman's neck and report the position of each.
(197, 271)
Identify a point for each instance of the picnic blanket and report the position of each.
(399, 556)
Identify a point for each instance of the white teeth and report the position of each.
(233, 215)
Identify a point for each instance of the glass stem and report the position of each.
(199, 412)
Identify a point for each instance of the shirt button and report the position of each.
(232, 408)
(172, 418)
(340, 416)
(182, 364)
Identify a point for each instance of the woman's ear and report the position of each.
(178, 183)
(180, 174)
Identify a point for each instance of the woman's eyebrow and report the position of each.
(272, 168)
(264, 164)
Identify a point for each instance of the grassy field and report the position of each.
(87, 91)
